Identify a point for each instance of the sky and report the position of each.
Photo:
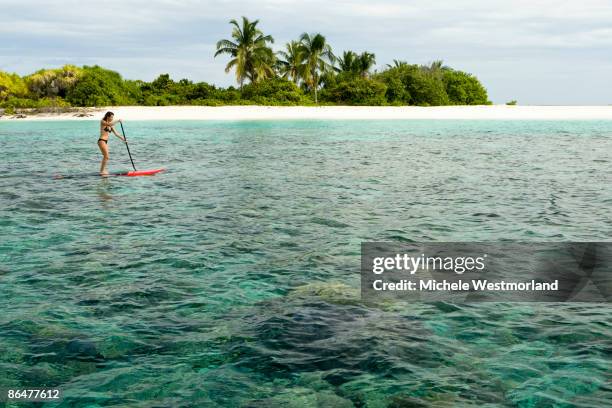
(538, 52)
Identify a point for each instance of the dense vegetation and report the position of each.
(305, 72)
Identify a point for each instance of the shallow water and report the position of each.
(232, 279)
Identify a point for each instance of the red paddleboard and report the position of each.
(139, 173)
(127, 173)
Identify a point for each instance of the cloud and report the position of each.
(141, 39)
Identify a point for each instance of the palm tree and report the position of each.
(291, 64)
(365, 62)
(357, 64)
(251, 56)
(435, 68)
(318, 58)
(264, 64)
(346, 63)
(397, 64)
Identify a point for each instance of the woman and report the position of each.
(106, 127)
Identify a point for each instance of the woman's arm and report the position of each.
(117, 134)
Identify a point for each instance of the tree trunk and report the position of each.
(316, 82)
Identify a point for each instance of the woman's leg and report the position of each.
(104, 149)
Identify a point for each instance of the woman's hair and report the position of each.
(107, 115)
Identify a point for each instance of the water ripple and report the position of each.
(231, 279)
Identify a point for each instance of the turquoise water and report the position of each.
(232, 279)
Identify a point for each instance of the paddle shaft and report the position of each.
(128, 146)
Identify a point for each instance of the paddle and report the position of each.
(126, 145)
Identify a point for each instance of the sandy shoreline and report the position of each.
(494, 112)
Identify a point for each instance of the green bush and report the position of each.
(101, 87)
(426, 89)
(208, 102)
(12, 85)
(397, 92)
(274, 91)
(229, 95)
(411, 85)
(165, 91)
(156, 100)
(24, 103)
(133, 91)
(402, 84)
(18, 103)
(350, 89)
(53, 83)
(464, 89)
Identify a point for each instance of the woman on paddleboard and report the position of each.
(106, 127)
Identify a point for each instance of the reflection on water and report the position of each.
(232, 280)
(103, 191)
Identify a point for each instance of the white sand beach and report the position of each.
(493, 112)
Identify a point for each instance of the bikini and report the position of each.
(106, 129)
